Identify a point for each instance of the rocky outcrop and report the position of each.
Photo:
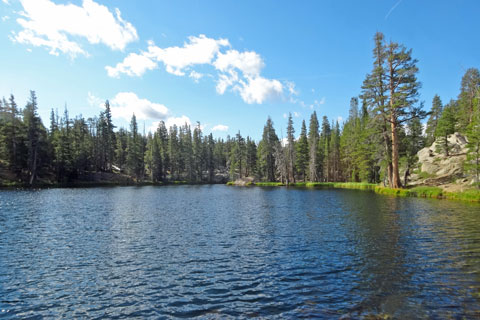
(435, 168)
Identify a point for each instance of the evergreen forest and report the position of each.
(378, 143)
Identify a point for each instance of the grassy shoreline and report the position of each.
(471, 195)
(8, 185)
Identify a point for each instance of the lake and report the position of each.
(229, 252)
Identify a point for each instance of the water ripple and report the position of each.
(214, 252)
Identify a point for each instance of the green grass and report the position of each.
(428, 192)
(355, 185)
(269, 184)
(472, 195)
(419, 192)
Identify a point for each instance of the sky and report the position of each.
(227, 64)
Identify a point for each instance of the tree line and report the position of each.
(379, 139)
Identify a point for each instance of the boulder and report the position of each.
(439, 168)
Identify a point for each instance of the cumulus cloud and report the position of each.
(220, 127)
(249, 62)
(133, 65)
(125, 104)
(236, 71)
(6, 2)
(258, 89)
(54, 25)
(178, 121)
(198, 50)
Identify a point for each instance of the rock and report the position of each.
(244, 181)
(438, 169)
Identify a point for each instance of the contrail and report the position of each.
(393, 8)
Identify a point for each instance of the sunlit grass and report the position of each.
(419, 192)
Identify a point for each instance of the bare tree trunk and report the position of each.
(396, 183)
(387, 155)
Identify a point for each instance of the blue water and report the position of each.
(221, 252)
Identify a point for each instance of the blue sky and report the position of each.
(227, 64)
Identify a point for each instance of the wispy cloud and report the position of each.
(392, 9)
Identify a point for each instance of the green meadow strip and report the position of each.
(471, 195)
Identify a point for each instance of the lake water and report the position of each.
(218, 252)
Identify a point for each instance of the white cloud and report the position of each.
(220, 127)
(196, 76)
(237, 71)
(225, 81)
(6, 2)
(339, 119)
(249, 62)
(198, 50)
(133, 65)
(94, 101)
(257, 90)
(5, 18)
(54, 25)
(125, 104)
(291, 88)
(285, 116)
(178, 121)
(296, 114)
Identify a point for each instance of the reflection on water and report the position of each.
(216, 252)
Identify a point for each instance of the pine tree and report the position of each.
(324, 150)
(210, 157)
(374, 94)
(399, 84)
(162, 133)
(313, 143)
(468, 90)
(174, 152)
(266, 150)
(237, 156)
(251, 160)
(33, 124)
(445, 127)
(302, 154)
(108, 137)
(472, 163)
(291, 149)
(198, 152)
(134, 155)
(432, 122)
(121, 148)
(11, 136)
(335, 152)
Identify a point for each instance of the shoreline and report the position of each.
(94, 184)
(471, 195)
